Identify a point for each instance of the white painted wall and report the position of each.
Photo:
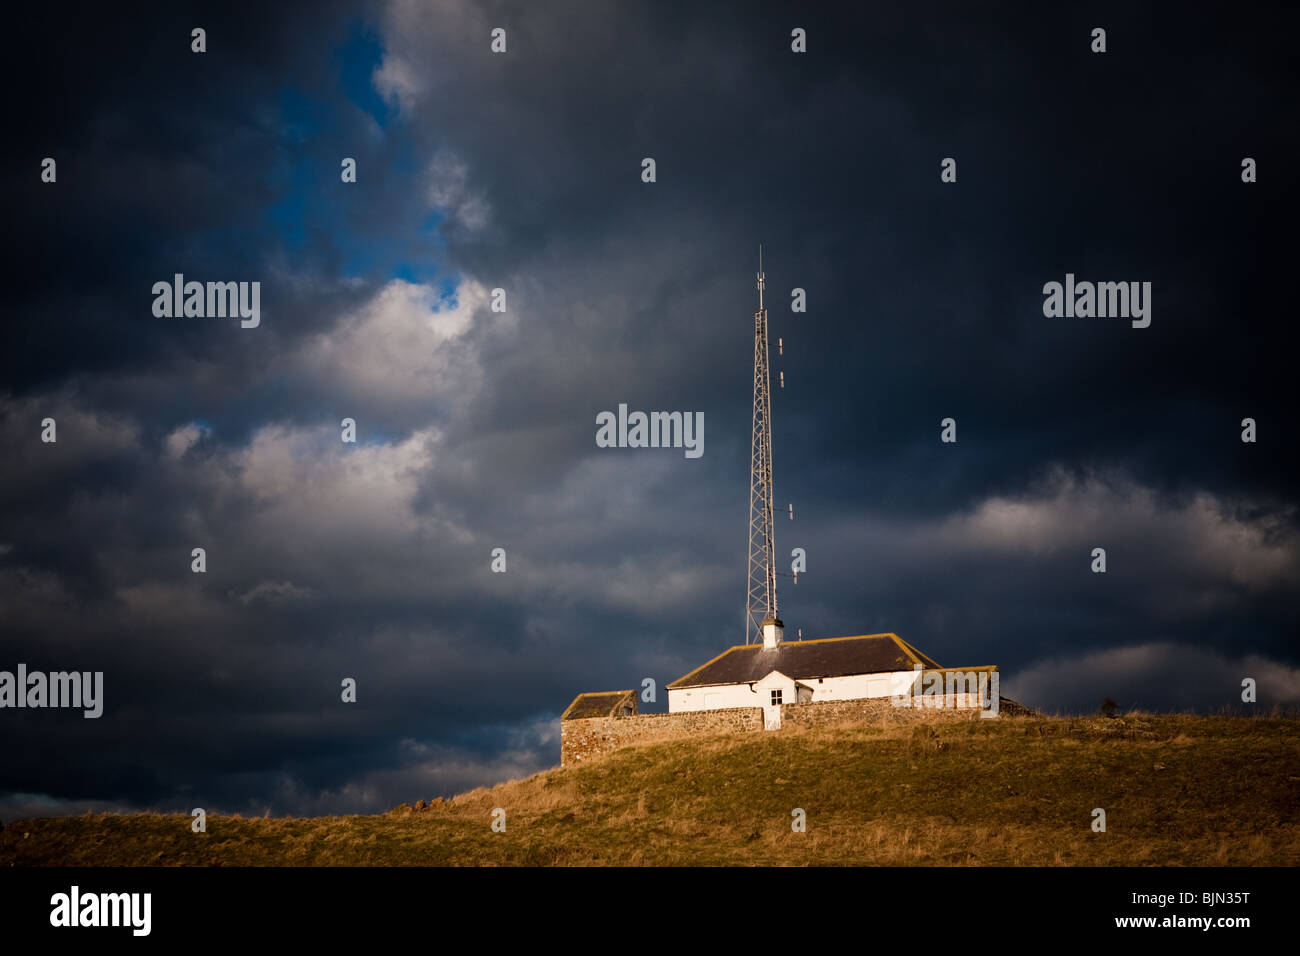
(857, 686)
(851, 687)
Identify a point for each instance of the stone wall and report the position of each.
(596, 736)
(827, 713)
(590, 737)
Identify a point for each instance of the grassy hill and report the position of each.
(1176, 789)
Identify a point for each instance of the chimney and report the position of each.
(772, 630)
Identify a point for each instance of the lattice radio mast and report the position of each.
(761, 603)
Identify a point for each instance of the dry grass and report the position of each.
(1177, 789)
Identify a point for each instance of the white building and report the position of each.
(780, 672)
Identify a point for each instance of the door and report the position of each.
(772, 712)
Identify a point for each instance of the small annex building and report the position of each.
(613, 703)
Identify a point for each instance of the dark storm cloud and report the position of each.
(521, 171)
(833, 160)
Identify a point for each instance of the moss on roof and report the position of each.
(604, 703)
(803, 660)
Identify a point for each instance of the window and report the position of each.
(776, 698)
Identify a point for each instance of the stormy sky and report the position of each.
(476, 429)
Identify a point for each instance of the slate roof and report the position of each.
(805, 660)
(598, 704)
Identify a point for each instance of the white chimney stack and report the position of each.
(772, 631)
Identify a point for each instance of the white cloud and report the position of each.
(423, 40)
(1208, 535)
(308, 482)
(182, 440)
(1154, 676)
(406, 346)
(449, 190)
(398, 81)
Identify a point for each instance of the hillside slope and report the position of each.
(1176, 789)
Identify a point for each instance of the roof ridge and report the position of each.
(879, 653)
(849, 637)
